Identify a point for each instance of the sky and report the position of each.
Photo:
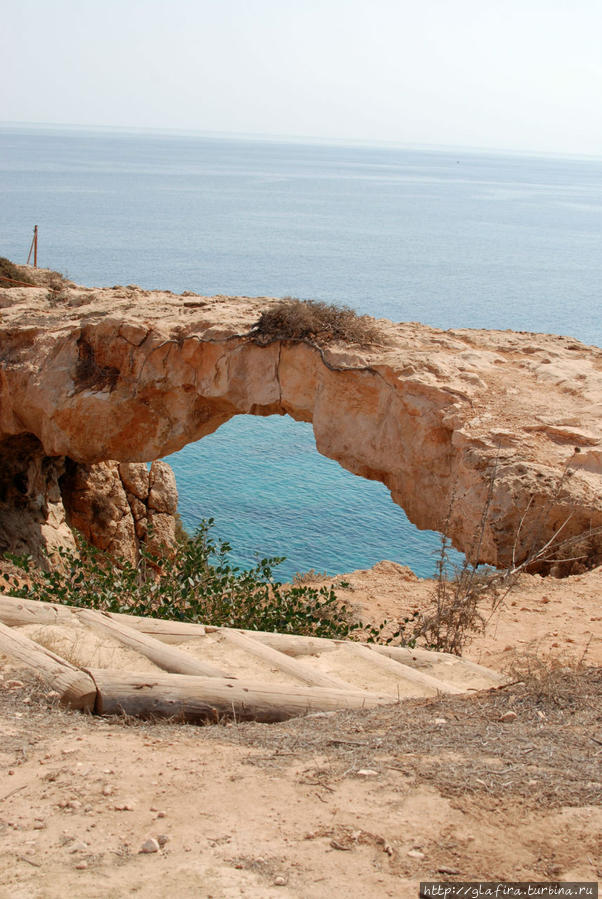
(523, 75)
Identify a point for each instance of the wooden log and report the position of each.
(428, 684)
(211, 698)
(166, 657)
(17, 611)
(439, 661)
(76, 689)
(283, 662)
(291, 644)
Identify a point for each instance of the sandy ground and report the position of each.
(362, 804)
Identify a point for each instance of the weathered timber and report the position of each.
(76, 689)
(211, 698)
(17, 611)
(283, 662)
(166, 657)
(439, 662)
(425, 684)
(290, 644)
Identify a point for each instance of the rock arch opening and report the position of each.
(272, 493)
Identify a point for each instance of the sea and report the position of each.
(448, 237)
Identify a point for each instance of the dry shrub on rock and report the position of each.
(9, 272)
(293, 319)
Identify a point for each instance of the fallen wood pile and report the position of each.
(184, 686)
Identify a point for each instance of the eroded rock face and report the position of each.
(117, 506)
(450, 421)
(42, 498)
(32, 515)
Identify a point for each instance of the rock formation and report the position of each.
(451, 421)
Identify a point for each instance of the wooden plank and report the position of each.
(166, 657)
(211, 698)
(76, 689)
(283, 662)
(429, 684)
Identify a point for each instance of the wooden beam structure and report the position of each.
(193, 689)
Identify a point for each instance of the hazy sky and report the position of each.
(510, 74)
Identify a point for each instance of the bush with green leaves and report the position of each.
(197, 583)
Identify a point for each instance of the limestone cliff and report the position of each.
(123, 375)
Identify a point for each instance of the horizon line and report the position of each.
(270, 137)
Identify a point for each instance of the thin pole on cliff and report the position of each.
(34, 247)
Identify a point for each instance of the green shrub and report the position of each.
(197, 584)
(293, 319)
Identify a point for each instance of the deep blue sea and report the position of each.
(452, 239)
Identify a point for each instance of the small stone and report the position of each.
(161, 814)
(79, 846)
(508, 716)
(39, 825)
(415, 853)
(14, 684)
(162, 839)
(123, 807)
(440, 721)
(444, 869)
(367, 772)
(107, 790)
(279, 881)
(81, 866)
(150, 846)
(320, 715)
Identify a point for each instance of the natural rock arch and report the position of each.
(126, 375)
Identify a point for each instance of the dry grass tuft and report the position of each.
(293, 319)
(550, 683)
(10, 272)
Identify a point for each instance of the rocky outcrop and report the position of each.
(453, 422)
(116, 506)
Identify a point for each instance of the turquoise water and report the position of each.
(450, 239)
